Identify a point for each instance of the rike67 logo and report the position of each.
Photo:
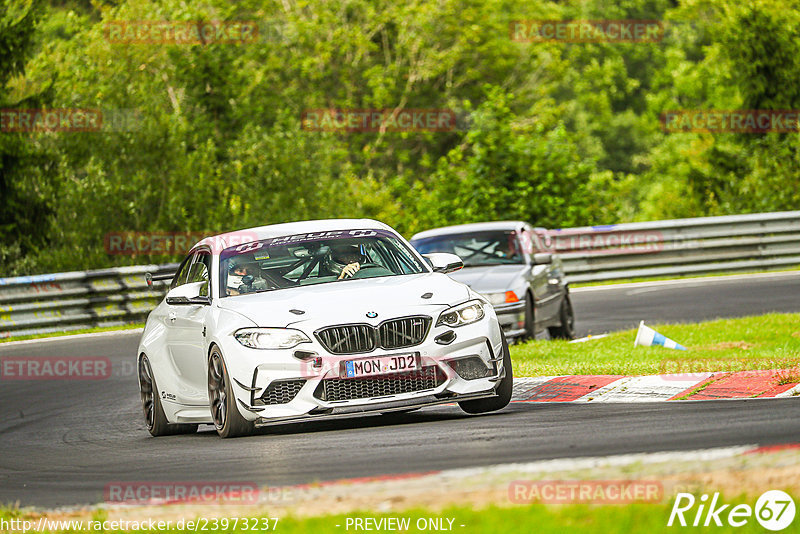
(774, 510)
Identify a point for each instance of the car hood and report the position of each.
(349, 301)
(490, 278)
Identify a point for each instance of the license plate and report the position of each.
(381, 365)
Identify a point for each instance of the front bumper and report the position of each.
(400, 405)
(511, 318)
(277, 386)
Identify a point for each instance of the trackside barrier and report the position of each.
(680, 247)
(71, 301)
(761, 241)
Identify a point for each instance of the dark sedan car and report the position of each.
(512, 265)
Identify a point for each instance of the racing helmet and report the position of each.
(234, 280)
(342, 255)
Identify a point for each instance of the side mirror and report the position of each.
(442, 262)
(542, 258)
(193, 293)
(150, 278)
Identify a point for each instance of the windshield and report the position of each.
(497, 247)
(315, 258)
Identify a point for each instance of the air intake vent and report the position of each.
(339, 389)
(280, 392)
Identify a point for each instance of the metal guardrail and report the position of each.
(680, 247)
(112, 297)
(71, 301)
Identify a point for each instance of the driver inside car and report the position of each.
(244, 276)
(344, 260)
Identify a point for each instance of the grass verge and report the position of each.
(769, 341)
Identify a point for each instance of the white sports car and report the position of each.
(311, 320)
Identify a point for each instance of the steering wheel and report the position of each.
(369, 266)
(271, 280)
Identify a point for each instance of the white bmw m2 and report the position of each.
(312, 320)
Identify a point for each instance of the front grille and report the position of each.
(339, 389)
(281, 392)
(348, 339)
(405, 332)
(359, 338)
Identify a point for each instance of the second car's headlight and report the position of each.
(270, 338)
(496, 299)
(463, 314)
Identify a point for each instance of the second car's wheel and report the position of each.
(504, 389)
(154, 416)
(530, 326)
(567, 316)
(227, 419)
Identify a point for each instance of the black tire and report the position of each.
(154, 417)
(530, 318)
(504, 389)
(567, 317)
(224, 411)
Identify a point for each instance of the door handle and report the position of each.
(172, 317)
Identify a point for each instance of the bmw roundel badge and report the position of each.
(372, 315)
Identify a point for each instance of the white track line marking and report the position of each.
(795, 391)
(644, 388)
(73, 337)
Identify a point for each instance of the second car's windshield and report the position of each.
(476, 248)
(315, 258)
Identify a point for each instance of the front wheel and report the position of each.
(227, 419)
(504, 389)
(567, 316)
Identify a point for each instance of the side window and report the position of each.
(528, 242)
(538, 246)
(544, 242)
(200, 270)
(180, 277)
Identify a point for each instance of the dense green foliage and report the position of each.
(560, 134)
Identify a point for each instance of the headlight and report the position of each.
(463, 314)
(507, 297)
(270, 338)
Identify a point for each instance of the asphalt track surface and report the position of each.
(62, 442)
(602, 309)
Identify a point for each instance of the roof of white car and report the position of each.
(467, 228)
(292, 228)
